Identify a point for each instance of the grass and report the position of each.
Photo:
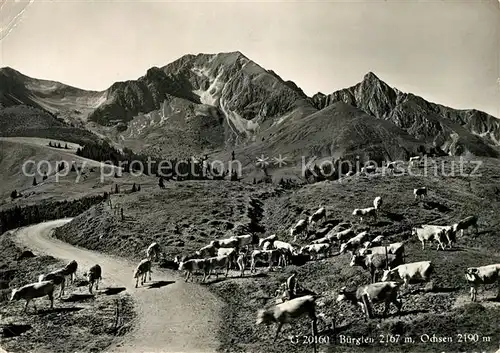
(87, 325)
(203, 211)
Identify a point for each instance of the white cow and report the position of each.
(57, 277)
(484, 275)
(420, 193)
(393, 248)
(271, 256)
(231, 242)
(411, 271)
(270, 238)
(299, 228)
(288, 311)
(353, 243)
(208, 251)
(34, 290)
(191, 266)
(141, 271)
(216, 263)
(386, 292)
(465, 223)
(429, 234)
(344, 234)
(365, 212)
(153, 251)
(314, 250)
(247, 240)
(318, 215)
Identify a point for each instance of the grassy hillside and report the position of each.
(203, 211)
(24, 120)
(14, 152)
(183, 217)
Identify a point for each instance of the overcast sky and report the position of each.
(446, 51)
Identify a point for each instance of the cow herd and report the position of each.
(385, 263)
(246, 251)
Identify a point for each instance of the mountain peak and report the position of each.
(9, 71)
(371, 78)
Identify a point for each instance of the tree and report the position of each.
(13, 194)
(254, 181)
(78, 151)
(66, 146)
(44, 176)
(139, 187)
(73, 169)
(117, 190)
(50, 143)
(161, 184)
(34, 181)
(134, 188)
(59, 145)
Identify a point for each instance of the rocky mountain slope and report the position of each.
(455, 131)
(219, 102)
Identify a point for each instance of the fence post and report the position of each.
(386, 258)
(314, 333)
(368, 307)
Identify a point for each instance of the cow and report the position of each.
(430, 233)
(231, 242)
(193, 265)
(314, 250)
(466, 223)
(420, 193)
(240, 261)
(288, 311)
(216, 263)
(230, 253)
(484, 275)
(386, 292)
(397, 249)
(94, 275)
(70, 270)
(343, 234)
(271, 256)
(153, 251)
(298, 228)
(247, 240)
(410, 271)
(375, 262)
(353, 243)
(57, 277)
(141, 271)
(270, 239)
(317, 216)
(34, 290)
(365, 212)
(207, 251)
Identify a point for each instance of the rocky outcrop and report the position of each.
(455, 131)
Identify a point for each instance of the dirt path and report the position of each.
(178, 317)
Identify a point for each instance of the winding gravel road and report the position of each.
(178, 317)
